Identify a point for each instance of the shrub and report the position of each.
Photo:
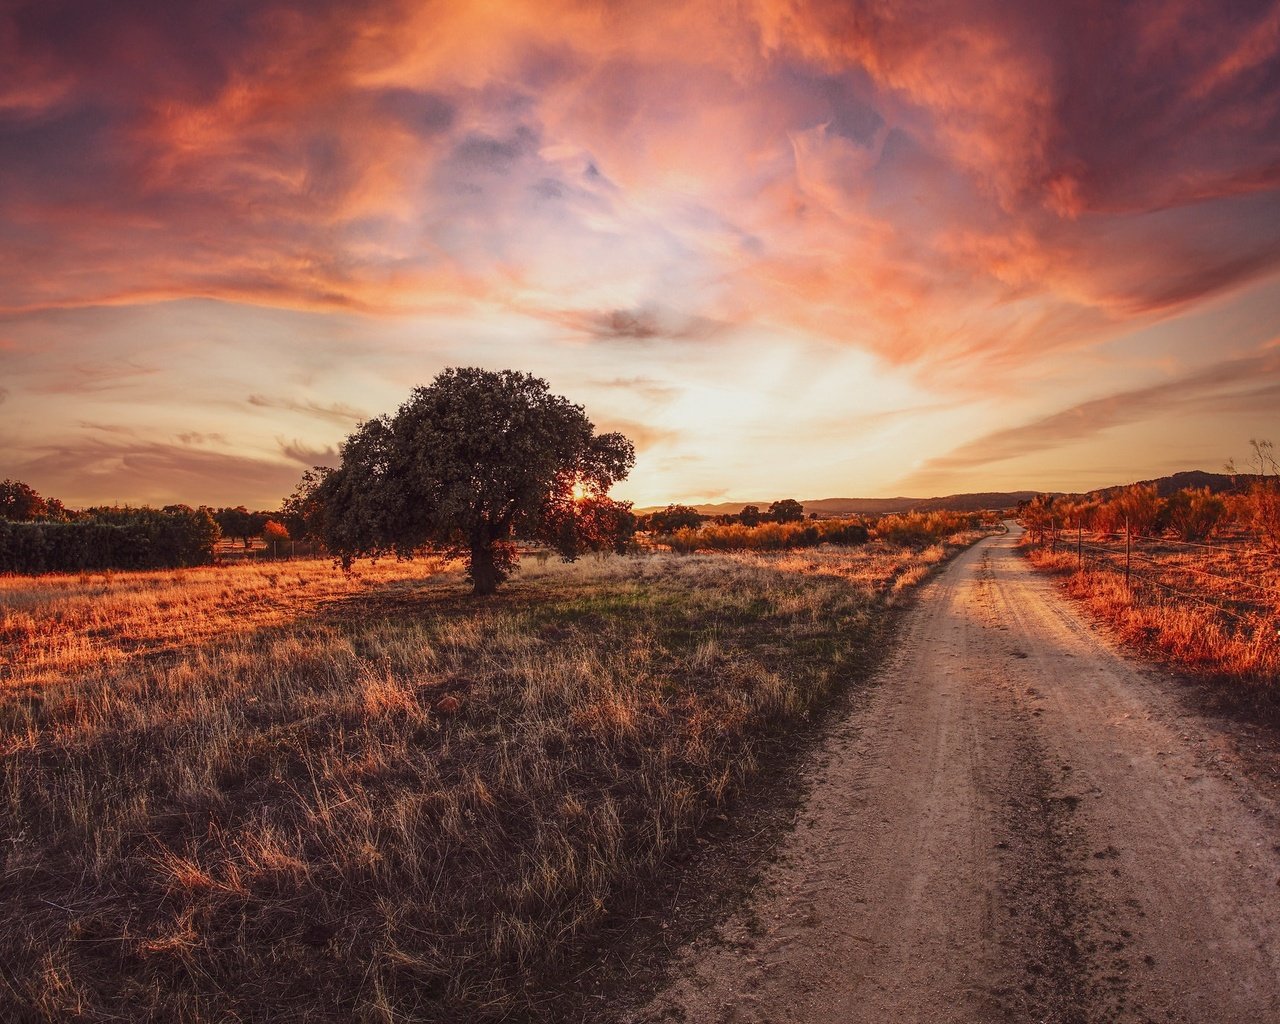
(1259, 509)
(1039, 513)
(920, 529)
(1138, 507)
(1195, 514)
(273, 532)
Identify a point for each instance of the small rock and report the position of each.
(447, 705)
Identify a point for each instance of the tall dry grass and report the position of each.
(1213, 611)
(285, 794)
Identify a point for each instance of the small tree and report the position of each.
(788, 510)
(1038, 514)
(1261, 506)
(1138, 507)
(301, 512)
(21, 503)
(466, 465)
(673, 518)
(240, 522)
(750, 515)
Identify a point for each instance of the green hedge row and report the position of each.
(121, 539)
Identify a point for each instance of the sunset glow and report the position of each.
(788, 248)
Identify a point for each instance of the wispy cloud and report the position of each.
(332, 412)
(98, 377)
(96, 468)
(305, 455)
(196, 437)
(653, 390)
(641, 324)
(1250, 384)
(643, 435)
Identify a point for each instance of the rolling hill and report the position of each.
(1218, 483)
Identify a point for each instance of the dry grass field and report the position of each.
(1213, 609)
(277, 792)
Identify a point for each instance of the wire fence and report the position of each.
(1234, 579)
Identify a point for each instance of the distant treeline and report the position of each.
(110, 538)
(39, 534)
(682, 530)
(1193, 514)
(681, 517)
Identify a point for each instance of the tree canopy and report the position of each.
(672, 518)
(788, 510)
(240, 522)
(466, 465)
(21, 503)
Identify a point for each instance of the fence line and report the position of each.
(1271, 592)
(1151, 581)
(1120, 561)
(1137, 552)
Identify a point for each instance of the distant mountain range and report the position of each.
(1165, 485)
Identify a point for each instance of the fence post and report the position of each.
(1127, 550)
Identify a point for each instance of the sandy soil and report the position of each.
(1019, 824)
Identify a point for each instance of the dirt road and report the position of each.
(1018, 824)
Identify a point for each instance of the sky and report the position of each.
(789, 248)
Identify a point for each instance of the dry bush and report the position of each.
(924, 528)
(1259, 510)
(1076, 513)
(1138, 507)
(1195, 514)
(252, 795)
(764, 536)
(907, 529)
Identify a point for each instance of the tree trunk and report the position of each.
(484, 573)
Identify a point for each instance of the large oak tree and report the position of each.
(468, 464)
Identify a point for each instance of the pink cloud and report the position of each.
(955, 186)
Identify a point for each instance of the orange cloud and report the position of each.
(400, 156)
(1249, 384)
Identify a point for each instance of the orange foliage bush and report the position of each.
(766, 536)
